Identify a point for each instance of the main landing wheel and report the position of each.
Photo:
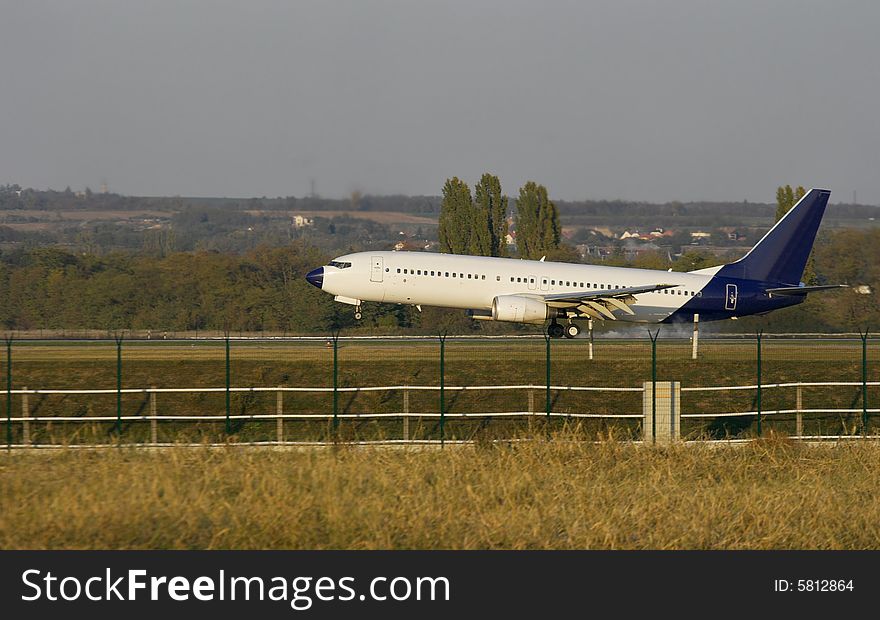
(555, 330)
(572, 330)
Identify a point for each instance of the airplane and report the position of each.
(767, 278)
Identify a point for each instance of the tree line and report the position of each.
(265, 289)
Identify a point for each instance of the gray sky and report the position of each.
(655, 101)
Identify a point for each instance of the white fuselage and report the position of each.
(473, 282)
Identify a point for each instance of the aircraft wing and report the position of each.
(600, 304)
(803, 290)
(614, 292)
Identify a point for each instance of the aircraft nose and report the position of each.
(316, 277)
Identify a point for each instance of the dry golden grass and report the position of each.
(771, 494)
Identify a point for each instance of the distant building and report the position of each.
(732, 233)
(596, 251)
(654, 234)
(409, 246)
(632, 249)
(699, 234)
(300, 221)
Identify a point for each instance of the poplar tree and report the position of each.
(537, 222)
(491, 207)
(456, 217)
(786, 198)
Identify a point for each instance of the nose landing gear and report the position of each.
(357, 313)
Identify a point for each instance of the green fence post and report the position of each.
(228, 421)
(335, 336)
(442, 388)
(547, 400)
(653, 337)
(119, 384)
(758, 399)
(8, 392)
(864, 381)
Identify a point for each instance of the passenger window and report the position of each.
(404, 271)
(453, 274)
(432, 273)
(398, 270)
(511, 278)
(469, 276)
(567, 283)
(553, 282)
(602, 286)
(461, 275)
(498, 278)
(519, 279)
(531, 280)
(447, 274)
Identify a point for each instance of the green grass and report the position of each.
(65, 365)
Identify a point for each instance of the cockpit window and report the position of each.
(338, 264)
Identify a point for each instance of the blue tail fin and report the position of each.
(780, 256)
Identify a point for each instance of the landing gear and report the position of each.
(555, 330)
(357, 313)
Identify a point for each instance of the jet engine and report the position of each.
(517, 309)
